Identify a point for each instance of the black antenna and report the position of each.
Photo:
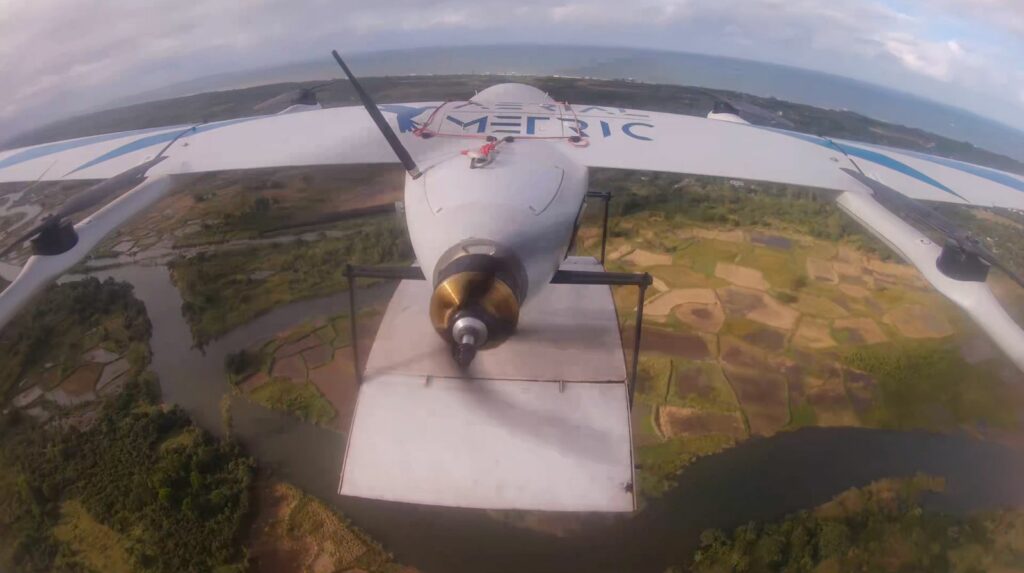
(382, 124)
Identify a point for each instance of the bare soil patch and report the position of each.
(298, 346)
(735, 236)
(757, 306)
(741, 276)
(854, 291)
(82, 380)
(820, 270)
(775, 314)
(675, 421)
(849, 270)
(292, 367)
(684, 345)
(703, 317)
(820, 306)
(916, 321)
(318, 356)
(620, 251)
(813, 333)
(662, 305)
(336, 380)
(642, 258)
(740, 302)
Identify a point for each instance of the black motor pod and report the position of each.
(55, 239)
(958, 264)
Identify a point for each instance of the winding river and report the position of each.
(757, 480)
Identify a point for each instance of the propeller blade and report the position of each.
(378, 118)
(747, 111)
(25, 237)
(323, 85)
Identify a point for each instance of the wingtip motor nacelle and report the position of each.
(963, 257)
(957, 263)
(56, 235)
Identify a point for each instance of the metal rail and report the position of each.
(352, 273)
(606, 197)
(640, 280)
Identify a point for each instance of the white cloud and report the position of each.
(74, 54)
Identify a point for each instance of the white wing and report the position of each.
(343, 135)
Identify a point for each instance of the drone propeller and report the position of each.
(378, 118)
(747, 111)
(56, 224)
(300, 96)
(965, 244)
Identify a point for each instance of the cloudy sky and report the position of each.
(60, 56)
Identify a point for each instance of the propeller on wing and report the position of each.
(747, 111)
(300, 96)
(964, 256)
(55, 233)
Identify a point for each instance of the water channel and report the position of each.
(758, 480)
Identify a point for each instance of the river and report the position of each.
(760, 479)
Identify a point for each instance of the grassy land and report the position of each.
(88, 543)
(302, 399)
(881, 527)
(660, 464)
(227, 289)
(67, 320)
(928, 385)
(297, 532)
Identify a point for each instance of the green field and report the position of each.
(226, 289)
(301, 399)
(861, 341)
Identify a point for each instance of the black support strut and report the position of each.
(352, 273)
(640, 280)
(606, 197)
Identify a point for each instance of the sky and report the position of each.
(58, 57)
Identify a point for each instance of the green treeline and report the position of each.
(716, 201)
(181, 505)
(126, 472)
(878, 528)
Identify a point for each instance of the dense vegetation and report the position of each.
(177, 499)
(879, 528)
(67, 320)
(226, 289)
(125, 484)
(714, 201)
(927, 384)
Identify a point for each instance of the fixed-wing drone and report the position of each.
(494, 192)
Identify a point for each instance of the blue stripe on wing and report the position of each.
(51, 148)
(872, 156)
(156, 139)
(992, 175)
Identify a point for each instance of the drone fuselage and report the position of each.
(526, 201)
